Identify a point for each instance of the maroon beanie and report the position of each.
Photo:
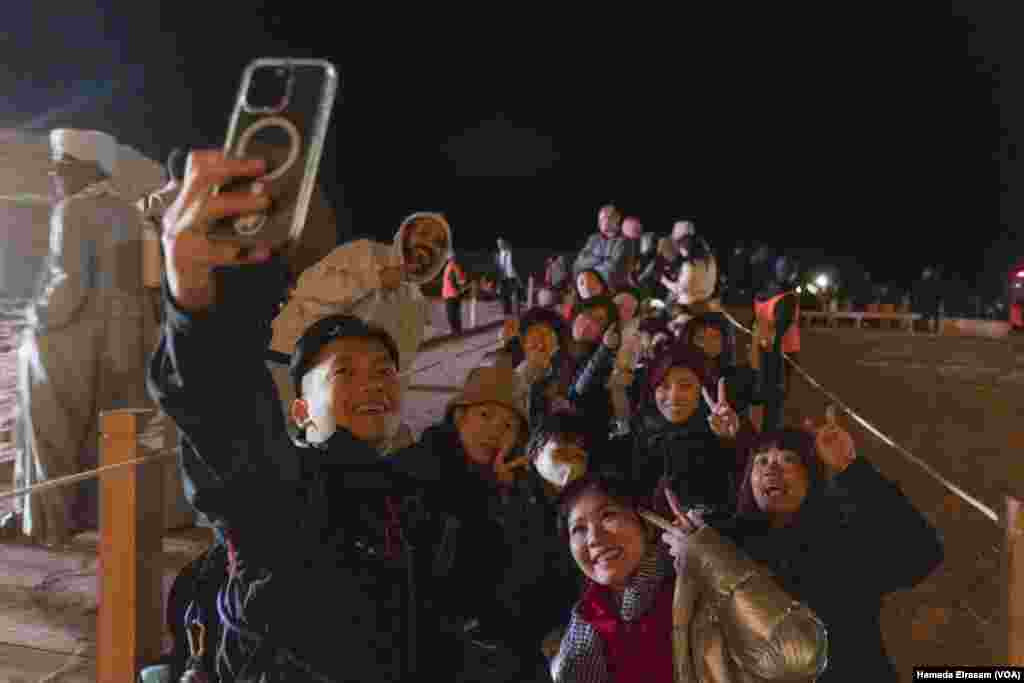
(676, 355)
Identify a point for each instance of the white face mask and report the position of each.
(559, 463)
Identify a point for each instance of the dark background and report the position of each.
(885, 137)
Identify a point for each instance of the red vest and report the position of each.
(637, 651)
(447, 290)
(765, 312)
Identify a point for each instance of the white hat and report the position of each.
(85, 145)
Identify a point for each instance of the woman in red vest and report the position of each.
(730, 621)
(452, 286)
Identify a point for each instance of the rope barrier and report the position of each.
(974, 502)
(95, 473)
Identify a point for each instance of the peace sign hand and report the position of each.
(833, 444)
(686, 523)
(725, 423)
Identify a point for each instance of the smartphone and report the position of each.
(281, 114)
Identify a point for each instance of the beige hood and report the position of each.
(435, 269)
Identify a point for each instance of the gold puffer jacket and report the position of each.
(733, 623)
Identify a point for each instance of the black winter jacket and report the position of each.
(856, 539)
(336, 556)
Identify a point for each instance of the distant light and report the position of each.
(1020, 273)
(822, 281)
(811, 288)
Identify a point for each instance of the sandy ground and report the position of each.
(953, 402)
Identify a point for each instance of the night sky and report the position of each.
(888, 138)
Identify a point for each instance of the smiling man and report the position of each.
(321, 529)
(376, 282)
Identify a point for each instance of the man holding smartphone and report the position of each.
(332, 554)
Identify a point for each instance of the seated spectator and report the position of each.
(587, 285)
(605, 250)
(632, 230)
(838, 535)
(713, 614)
(639, 277)
(547, 367)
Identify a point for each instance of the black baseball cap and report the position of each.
(326, 330)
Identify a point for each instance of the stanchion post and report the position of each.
(129, 623)
(1013, 582)
(472, 307)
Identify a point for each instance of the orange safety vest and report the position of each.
(765, 313)
(447, 290)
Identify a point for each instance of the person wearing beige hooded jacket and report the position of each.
(379, 283)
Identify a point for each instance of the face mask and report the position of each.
(560, 466)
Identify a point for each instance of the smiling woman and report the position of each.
(634, 622)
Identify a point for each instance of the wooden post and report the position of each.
(130, 621)
(1013, 582)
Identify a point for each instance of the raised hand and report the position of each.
(833, 444)
(724, 421)
(685, 524)
(189, 254)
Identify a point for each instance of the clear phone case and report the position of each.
(281, 115)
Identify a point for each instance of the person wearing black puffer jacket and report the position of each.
(333, 556)
(596, 340)
(511, 581)
(837, 535)
(679, 437)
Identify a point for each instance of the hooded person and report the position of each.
(91, 331)
(815, 513)
(509, 562)
(378, 283)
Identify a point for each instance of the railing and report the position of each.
(1011, 521)
(832, 318)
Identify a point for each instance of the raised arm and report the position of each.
(208, 372)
